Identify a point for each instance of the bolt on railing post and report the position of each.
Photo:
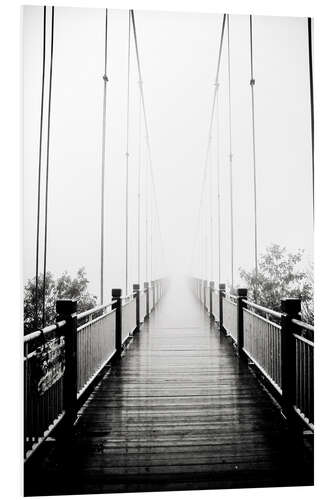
(136, 292)
(290, 308)
(241, 295)
(116, 295)
(221, 295)
(211, 289)
(146, 288)
(67, 310)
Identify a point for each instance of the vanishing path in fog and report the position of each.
(178, 411)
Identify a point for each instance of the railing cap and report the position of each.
(116, 293)
(291, 306)
(136, 286)
(242, 292)
(211, 284)
(222, 286)
(66, 307)
(146, 284)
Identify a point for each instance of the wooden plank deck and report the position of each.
(178, 411)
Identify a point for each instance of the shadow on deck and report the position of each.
(178, 411)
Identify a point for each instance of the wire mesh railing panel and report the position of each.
(151, 303)
(95, 345)
(216, 305)
(44, 367)
(304, 394)
(230, 317)
(143, 306)
(262, 343)
(128, 319)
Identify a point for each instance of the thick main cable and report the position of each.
(218, 182)
(230, 164)
(127, 145)
(139, 189)
(252, 83)
(311, 104)
(47, 166)
(146, 130)
(203, 182)
(105, 79)
(40, 168)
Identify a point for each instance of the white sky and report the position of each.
(179, 56)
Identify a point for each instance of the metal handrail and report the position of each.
(47, 329)
(301, 324)
(95, 310)
(263, 309)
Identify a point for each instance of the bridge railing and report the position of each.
(62, 361)
(95, 343)
(278, 344)
(304, 390)
(262, 342)
(43, 406)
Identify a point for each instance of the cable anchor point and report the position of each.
(105, 78)
(252, 82)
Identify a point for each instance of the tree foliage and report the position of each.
(64, 287)
(280, 276)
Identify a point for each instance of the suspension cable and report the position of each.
(47, 165)
(211, 212)
(204, 177)
(151, 239)
(230, 163)
(311, 104)
(252, 83)
(147, 204)
(218, 182)
(40, 167)
(127, 144)
(139, 189)
(147, 132)
(105, 81)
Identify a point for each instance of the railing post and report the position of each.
(221, 295)
(154, 298)
(136, 291)
(290, 309)
(116, 295)
(205, 293)
(211, 288)
(241, 295)
(67, 310)
(146, 288)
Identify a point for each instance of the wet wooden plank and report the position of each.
(178, 411)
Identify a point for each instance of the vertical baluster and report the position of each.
(306, 367)
(290, 309)
(311, 416)
(297, 399)
(66, 309)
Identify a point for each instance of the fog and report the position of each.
(178, 57)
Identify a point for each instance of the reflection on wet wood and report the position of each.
(178, 411)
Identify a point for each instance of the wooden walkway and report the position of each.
(178, 411)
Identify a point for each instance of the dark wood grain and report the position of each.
(178, 411)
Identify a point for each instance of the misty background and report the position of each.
(179, 57)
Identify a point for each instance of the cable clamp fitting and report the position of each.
(252, 82)
(105, 78)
